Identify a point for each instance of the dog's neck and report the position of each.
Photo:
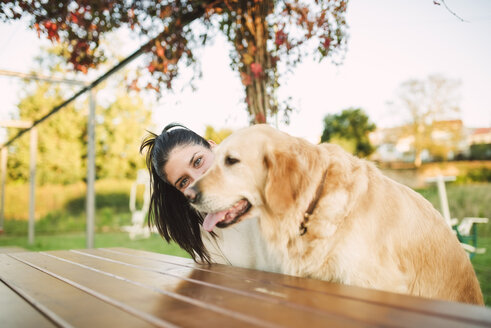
(312, 205)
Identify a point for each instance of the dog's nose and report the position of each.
(192, 194)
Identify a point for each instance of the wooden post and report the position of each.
(4, 153)
(4, 175)
(91, 171)
(442, 193)
(32, 182)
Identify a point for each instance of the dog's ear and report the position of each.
(283, 181)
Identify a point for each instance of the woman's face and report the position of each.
(188, 163)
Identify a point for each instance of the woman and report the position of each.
(175, 159)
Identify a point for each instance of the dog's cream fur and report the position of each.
(366, 230)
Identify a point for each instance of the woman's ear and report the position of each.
(212, 143)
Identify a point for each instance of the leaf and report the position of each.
(247, 59)
(280, 38)
(246, 78)
(256, 69)
(260, 118)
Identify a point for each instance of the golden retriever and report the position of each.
(329, 215)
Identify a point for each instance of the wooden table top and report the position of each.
(120, 287)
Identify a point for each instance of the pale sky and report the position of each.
(390, 42)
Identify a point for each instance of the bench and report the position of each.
(120, 287)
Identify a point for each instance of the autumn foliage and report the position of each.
(263, 34)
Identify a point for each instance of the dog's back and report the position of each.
(405, 235)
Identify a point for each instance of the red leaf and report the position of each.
(260, 118)
(280, 38)
(246, 78)
(36, 26)
(326, 43)
(134, 85)
(256, 69)
(74, 18)
(160, 50)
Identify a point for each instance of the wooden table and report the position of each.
(119, 287)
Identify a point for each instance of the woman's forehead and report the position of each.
(183, 151)
(181, 157)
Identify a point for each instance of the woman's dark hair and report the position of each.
(169, 209)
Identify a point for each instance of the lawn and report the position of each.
(482, 265)
(77, 241)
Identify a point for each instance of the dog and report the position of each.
(328, 215)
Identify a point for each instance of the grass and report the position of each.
(77, 241)
(471, 200)
(482, 266)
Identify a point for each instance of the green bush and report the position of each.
(480, 151)
(481, 174)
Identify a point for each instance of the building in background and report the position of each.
(445, 140)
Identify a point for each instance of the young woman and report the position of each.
(175, 159)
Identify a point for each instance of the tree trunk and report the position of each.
(255, 59)
(417, 158)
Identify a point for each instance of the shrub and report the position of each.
(480, 151)
(481, 174)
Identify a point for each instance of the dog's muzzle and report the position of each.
(192, 194)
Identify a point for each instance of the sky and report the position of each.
(389, 42)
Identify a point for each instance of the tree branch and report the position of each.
(439, 2)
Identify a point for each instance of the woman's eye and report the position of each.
(183, 183)
(197, 162)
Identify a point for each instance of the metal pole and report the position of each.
(91, 171)
(32, 180)
(4, 175)
(40, 77)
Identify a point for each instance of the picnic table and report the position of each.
(120, 287)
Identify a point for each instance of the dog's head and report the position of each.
(256, 169)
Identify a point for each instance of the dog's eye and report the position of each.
(230, 160)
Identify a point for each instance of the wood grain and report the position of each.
(130, 288)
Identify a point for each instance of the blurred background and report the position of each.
(404, 84)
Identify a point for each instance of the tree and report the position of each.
(119, 132)
(216, 135)
(350, 130)
(60, 151)
(262, 34)
(62, 139)
(426, 102)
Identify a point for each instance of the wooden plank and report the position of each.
(12, 249)
(59, 301)
(291, 299)
(266, 309)
(154, 303)
(450, 310)
(16, 312)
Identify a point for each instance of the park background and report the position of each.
(388, 45)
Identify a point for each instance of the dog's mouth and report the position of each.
(226, 217)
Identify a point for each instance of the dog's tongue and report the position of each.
(212, 219)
